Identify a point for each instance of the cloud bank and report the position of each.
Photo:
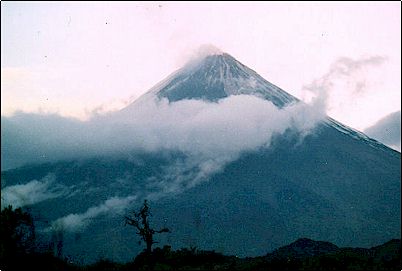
(209, 134)
(32, 192)
(207, 130)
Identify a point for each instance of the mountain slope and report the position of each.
(331, 187)
(214, 77)
(333, 184)
(219, 76)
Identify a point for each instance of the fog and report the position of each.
(32, 192)
(207, 130)
(78, 222)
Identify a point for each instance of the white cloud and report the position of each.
(32, 192)
(78, 222)
(387, 130)
(343, 70)
(210, 134)
(209, 131)
(354, 91)
(233, 124)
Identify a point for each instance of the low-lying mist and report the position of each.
(206, 130)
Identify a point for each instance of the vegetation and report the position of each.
(18, 245)
(18, 252)
(140, 220)
(17, 235)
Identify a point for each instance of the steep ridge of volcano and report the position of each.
(219, 76)
(214, 77)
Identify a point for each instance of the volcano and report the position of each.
(335, 184)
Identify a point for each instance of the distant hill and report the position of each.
(302, 248)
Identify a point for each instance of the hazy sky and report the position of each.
(71, 58)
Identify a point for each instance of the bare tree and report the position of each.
(140, 220)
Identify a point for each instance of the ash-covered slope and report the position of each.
(213, 77)
(331, 187)
(334, 184)
(219, 76)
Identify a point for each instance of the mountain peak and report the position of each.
(208, 50)
(214, 75)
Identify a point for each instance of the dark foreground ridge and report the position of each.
(303, 254)
(20, 250)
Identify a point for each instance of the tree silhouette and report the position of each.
(17, 233)
(140, 220)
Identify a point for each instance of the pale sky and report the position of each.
(72, 58)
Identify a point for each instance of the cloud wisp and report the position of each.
(78, 222)
(348, 72)
(32, 192)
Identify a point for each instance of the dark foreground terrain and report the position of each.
(303, 254)
(20, 250)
